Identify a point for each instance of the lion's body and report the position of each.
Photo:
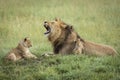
(66, 41)
(21, 51)
(98, 49)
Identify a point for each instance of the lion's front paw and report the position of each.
(48, 54)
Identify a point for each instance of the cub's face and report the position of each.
(27, 42)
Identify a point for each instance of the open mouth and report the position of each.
(47, 28)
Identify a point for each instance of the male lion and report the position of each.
(21, 51)
(65, 40)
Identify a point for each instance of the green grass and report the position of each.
(94, 20)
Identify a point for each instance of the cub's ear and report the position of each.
(57, 19)
(25, 39)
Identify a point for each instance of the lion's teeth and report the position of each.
(47, 32)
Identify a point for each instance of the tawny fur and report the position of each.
(21, 51)
(65, 41)
(98, 49)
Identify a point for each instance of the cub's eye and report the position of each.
(29, 42)
(52, 22)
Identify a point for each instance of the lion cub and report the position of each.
(21, 51)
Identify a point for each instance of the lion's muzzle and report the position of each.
(46, 25)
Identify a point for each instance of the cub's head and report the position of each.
(27, 42)
(56, 28)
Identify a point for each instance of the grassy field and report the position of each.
(94, 20)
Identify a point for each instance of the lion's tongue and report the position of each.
(47, 32)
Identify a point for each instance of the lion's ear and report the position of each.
(57, 19)
(69, 27)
